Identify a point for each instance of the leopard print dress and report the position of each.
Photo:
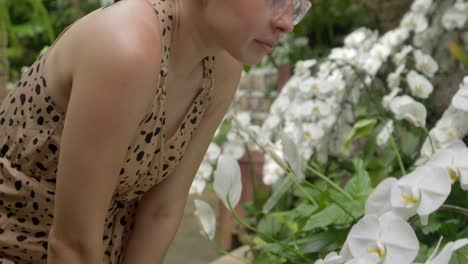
(31, 126)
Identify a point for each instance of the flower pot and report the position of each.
(284, 73)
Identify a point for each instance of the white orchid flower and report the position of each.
(419, 85)
(344, 54)
(315, 86)
(400, 57)
(372, 65)
(244, 118)
(213, 152)
(233, 148)
(416, 22)
(462, 5)
(292, 86)
(291, 155)
(421, 6)
(389, 237)
(356, 37)
(327, 122)
(227, 180)
(444, 256)
(449, 128)
(260, 137)
(272, 171)
(294, 130)
(294, 112)
(460, 99)
(422, 191)
(381, 51)
(272, 122)
(395, 37)
(453, 160)
(270, 179)
(425, 63)
(198, 186)
(393, 79)
(405, 107)
(326, 67)
(378, 202)
(302, 68)
(372, 258)
(234, 135)
(385, 134)
(312, 131)
(312, 109)
(206, 218)
(204, 171)
(336, 81)
(387, 99)
(331, 258)
(454, 18)
(280, 105)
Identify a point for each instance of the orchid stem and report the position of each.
(454, 208)
(400, 161)
(265, 235)
(337, 203)
(430, 139)
(293, 177)
(326, 179)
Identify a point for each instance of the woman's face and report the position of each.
(246, 28)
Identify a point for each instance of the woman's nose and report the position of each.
(285, 22)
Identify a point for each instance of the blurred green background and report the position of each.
(27, 27)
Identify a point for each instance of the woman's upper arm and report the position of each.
(114, 80)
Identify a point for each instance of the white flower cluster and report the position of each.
(451, 128)
(383, 235)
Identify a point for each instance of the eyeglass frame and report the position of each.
(305, 6)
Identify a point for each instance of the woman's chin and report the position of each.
(252, 59)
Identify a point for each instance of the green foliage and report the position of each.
(328, 22)
(360, 129)
(33, 25)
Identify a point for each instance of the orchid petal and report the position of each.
(206, 217)
(227, 180)
(379, 200)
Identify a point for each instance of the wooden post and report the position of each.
(284, 73)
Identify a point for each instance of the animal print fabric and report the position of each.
(31, 126)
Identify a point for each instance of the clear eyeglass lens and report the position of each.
(299, 8)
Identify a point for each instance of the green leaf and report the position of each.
(459, 258)
(316, 242)
(361, 129)
(270, 225)
(326, 217)
(431, 227)
(360, 185)
(304, 210)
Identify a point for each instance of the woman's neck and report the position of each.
(191, 41)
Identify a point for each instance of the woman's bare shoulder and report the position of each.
(125, 27)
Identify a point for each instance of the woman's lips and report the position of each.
(265, 46)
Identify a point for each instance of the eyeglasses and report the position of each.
(300, 8)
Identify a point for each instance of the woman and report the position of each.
(127, 100)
